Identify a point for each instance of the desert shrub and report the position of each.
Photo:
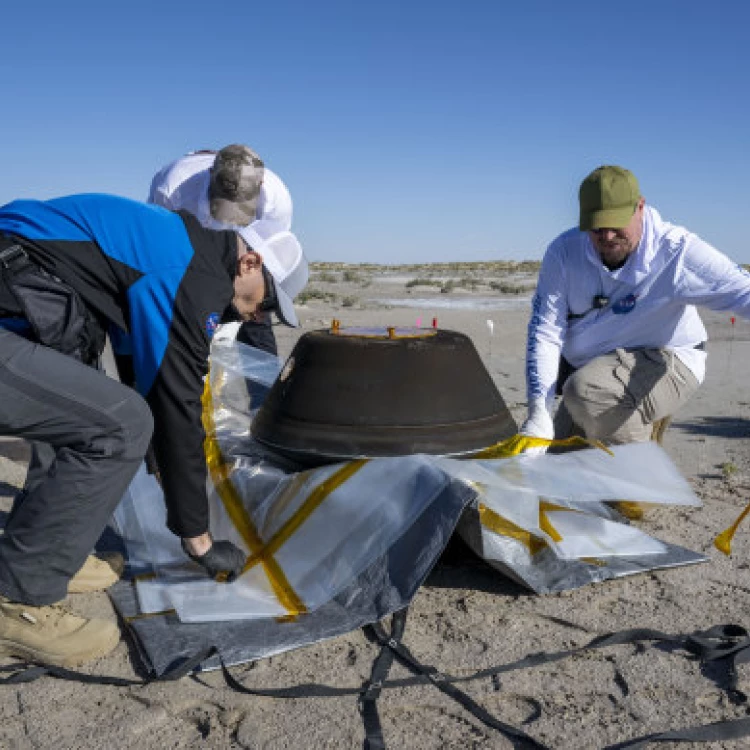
(349, 301)
(467, 282)
(505, 287)
(423, 282)
(312, 293)
(448, 287)
(326, 277)
(352, 276)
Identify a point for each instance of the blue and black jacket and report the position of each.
(165, 280)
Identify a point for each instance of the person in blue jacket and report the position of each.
(69, 269)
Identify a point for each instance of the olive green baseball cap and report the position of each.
(608, 198)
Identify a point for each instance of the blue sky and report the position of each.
(406, 131)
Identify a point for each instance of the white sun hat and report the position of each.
(286, 263)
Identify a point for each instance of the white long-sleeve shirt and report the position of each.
(650, 301)
(183, 184)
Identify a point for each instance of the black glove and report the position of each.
(222, 559)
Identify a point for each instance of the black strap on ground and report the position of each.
(304, 690)
(442, 682)
(21, 673)
(726, 646)
(368, 700)
(732, 729)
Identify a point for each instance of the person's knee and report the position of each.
(130, 430)
(612, 421)
(592, 406)
(139, 425)
(577, 399)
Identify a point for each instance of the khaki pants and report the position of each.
(616, 397)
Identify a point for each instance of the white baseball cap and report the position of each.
(287, 267)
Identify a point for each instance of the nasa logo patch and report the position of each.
(624, 305)
(212, 323)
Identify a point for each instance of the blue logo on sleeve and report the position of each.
(212, 323)
(625, 305)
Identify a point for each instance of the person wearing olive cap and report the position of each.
(614, 327)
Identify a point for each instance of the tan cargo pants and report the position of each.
(616, 397)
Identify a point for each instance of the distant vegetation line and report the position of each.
(493, 266)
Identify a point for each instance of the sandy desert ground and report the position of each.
(467, 617)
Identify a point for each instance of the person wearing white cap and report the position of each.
(233, 189)
(168, 282)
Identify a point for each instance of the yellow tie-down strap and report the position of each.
(261, 552)
(517, 444)
(501, 526)
(314, 499)
(219, 472)
(723, 542)
(514, 446)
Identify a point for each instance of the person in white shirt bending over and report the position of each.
(210, 186)
(233, 189)
(614, 329)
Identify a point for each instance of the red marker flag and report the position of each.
(732, 319)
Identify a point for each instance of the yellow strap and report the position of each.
(503, 527)
(517, 444)
(594, 561)
(631, 509)
(546, 526)
(723, 542)
(314, 499)
(546, 505)
(219, 471)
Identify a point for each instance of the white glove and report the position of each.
(538, 424)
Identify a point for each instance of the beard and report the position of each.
(614, 253)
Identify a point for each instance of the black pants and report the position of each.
(99, 431)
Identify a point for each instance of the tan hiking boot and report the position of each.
(98, 573)
(52, 635)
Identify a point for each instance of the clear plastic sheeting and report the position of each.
(503, 491)
(387, 585)
(531, 562)
(311, 535)
(317, 553)
(637, 471)
(584, 535)
(141, 519)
